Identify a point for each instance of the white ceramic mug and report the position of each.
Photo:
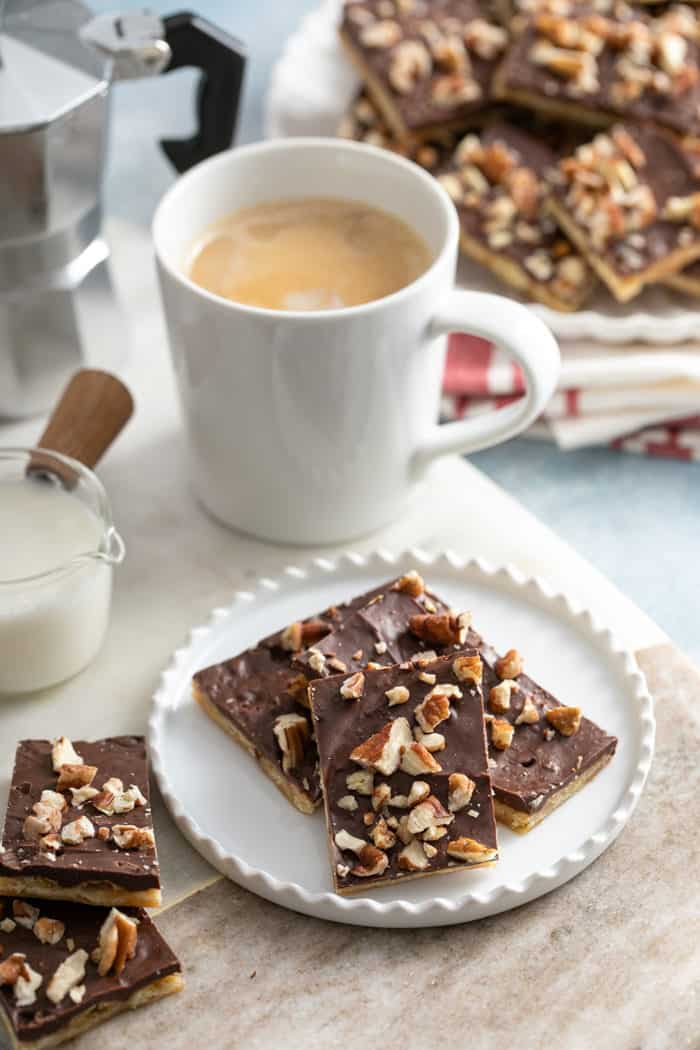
(319, 427)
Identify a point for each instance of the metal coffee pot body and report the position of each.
(57, 65)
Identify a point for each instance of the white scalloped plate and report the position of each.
(311, 87)
(240, 823)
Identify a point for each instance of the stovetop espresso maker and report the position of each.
(57, 64)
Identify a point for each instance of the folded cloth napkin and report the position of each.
(638, 399)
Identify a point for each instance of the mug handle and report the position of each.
(528, 342)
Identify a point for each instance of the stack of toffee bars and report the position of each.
(415, 734)
(78, 864)
(567, 132)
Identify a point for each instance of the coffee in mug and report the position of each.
(310, 253)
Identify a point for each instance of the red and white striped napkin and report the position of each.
(637, 399)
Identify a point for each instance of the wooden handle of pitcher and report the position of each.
(93, 409)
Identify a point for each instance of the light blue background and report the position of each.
(636, 519)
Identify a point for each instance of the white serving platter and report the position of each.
(241, 824)
(311, 87)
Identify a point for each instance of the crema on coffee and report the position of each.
(311, 253)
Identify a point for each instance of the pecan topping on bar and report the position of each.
(68, 974)
(383, 750)
(398, 695)
(292, 732)
(26, 985)
(499, 697)
(11, 969)
(411, 62)
(428, 814)
(128, 836)
(413, 857)
(381, 34)
(77, 831)
(75, 776)
(48, 931)
(501, 733)
(430, 741)
(528, 713)
(419, 791)
(63, 753)
(470, 850)
(510, 665)
(353, 687)
(412, 583)
(382, 836)
(372, 861)
(566, 720)
(433, 710)
(25, 914)
(348, 802)
(461, 790)
(46, 816)
(416, 759)
(468, 669)
(381, 796)
(362, 781)
(117, 943)
(440, 628)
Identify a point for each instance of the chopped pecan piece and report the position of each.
(430, 741)
(24, 914)
(373, 861)
(74, 775)
(292, 732)
(380, 796)
(362, 781)
(499, 697)
(382, 836)
(348, 802)
(412, 583)
(398, 695)
(440, 628)
(383, 750)
(11, 969)
(510, 665)
(353, 687)
(566, 720)
(501, 733)
(129, 836)
(528, 713)
(67, 975)
(461, 789)
(468, 669)
(433, 710)
(382, 34)
(428, 814)
(63, 753)
(27, 985)
(413, 857)
(419, 791)
(48, 931)
(410, 63)
(416, 759)
(77, 831)
(117, 943)
(470, 851)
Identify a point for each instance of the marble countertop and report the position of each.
(634, 518)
